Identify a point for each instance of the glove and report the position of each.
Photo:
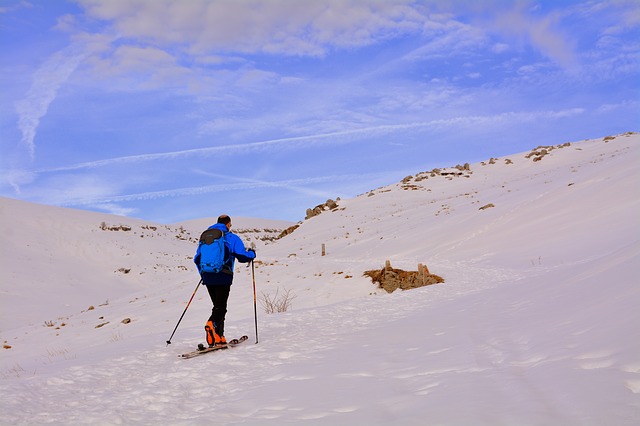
(252, 250)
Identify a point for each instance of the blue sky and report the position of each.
(169, 110)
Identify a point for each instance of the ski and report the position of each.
(203, 350)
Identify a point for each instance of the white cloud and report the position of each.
(500, 48)
(140, 67)
(540, 31)
(626, 104)
(115, 209)
(66, 23)
(14, 7)
(61, 189)
(446, 38)
(289, 27)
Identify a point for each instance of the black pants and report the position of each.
(219, 295)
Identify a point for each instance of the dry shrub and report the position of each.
(277, 303)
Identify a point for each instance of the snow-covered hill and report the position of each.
(536, 322)
(57, 261)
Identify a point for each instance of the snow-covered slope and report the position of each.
(535, 324)
(57, 261)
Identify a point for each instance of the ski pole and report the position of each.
(255, 306)
(185, 311)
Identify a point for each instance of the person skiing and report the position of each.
(219, 283)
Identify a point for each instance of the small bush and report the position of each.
(277, 302)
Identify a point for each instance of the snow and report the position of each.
(536, 323)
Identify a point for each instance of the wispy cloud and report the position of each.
(46, 82)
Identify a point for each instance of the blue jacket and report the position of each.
(233, 249)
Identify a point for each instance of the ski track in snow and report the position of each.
(158, 385)
(308, 368)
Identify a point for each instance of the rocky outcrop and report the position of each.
(391, 279)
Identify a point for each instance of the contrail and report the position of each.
(46, 82)
(291, 185)
(251, 184)
(283, 143)
(332, 138)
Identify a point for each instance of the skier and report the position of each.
(219, 284)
